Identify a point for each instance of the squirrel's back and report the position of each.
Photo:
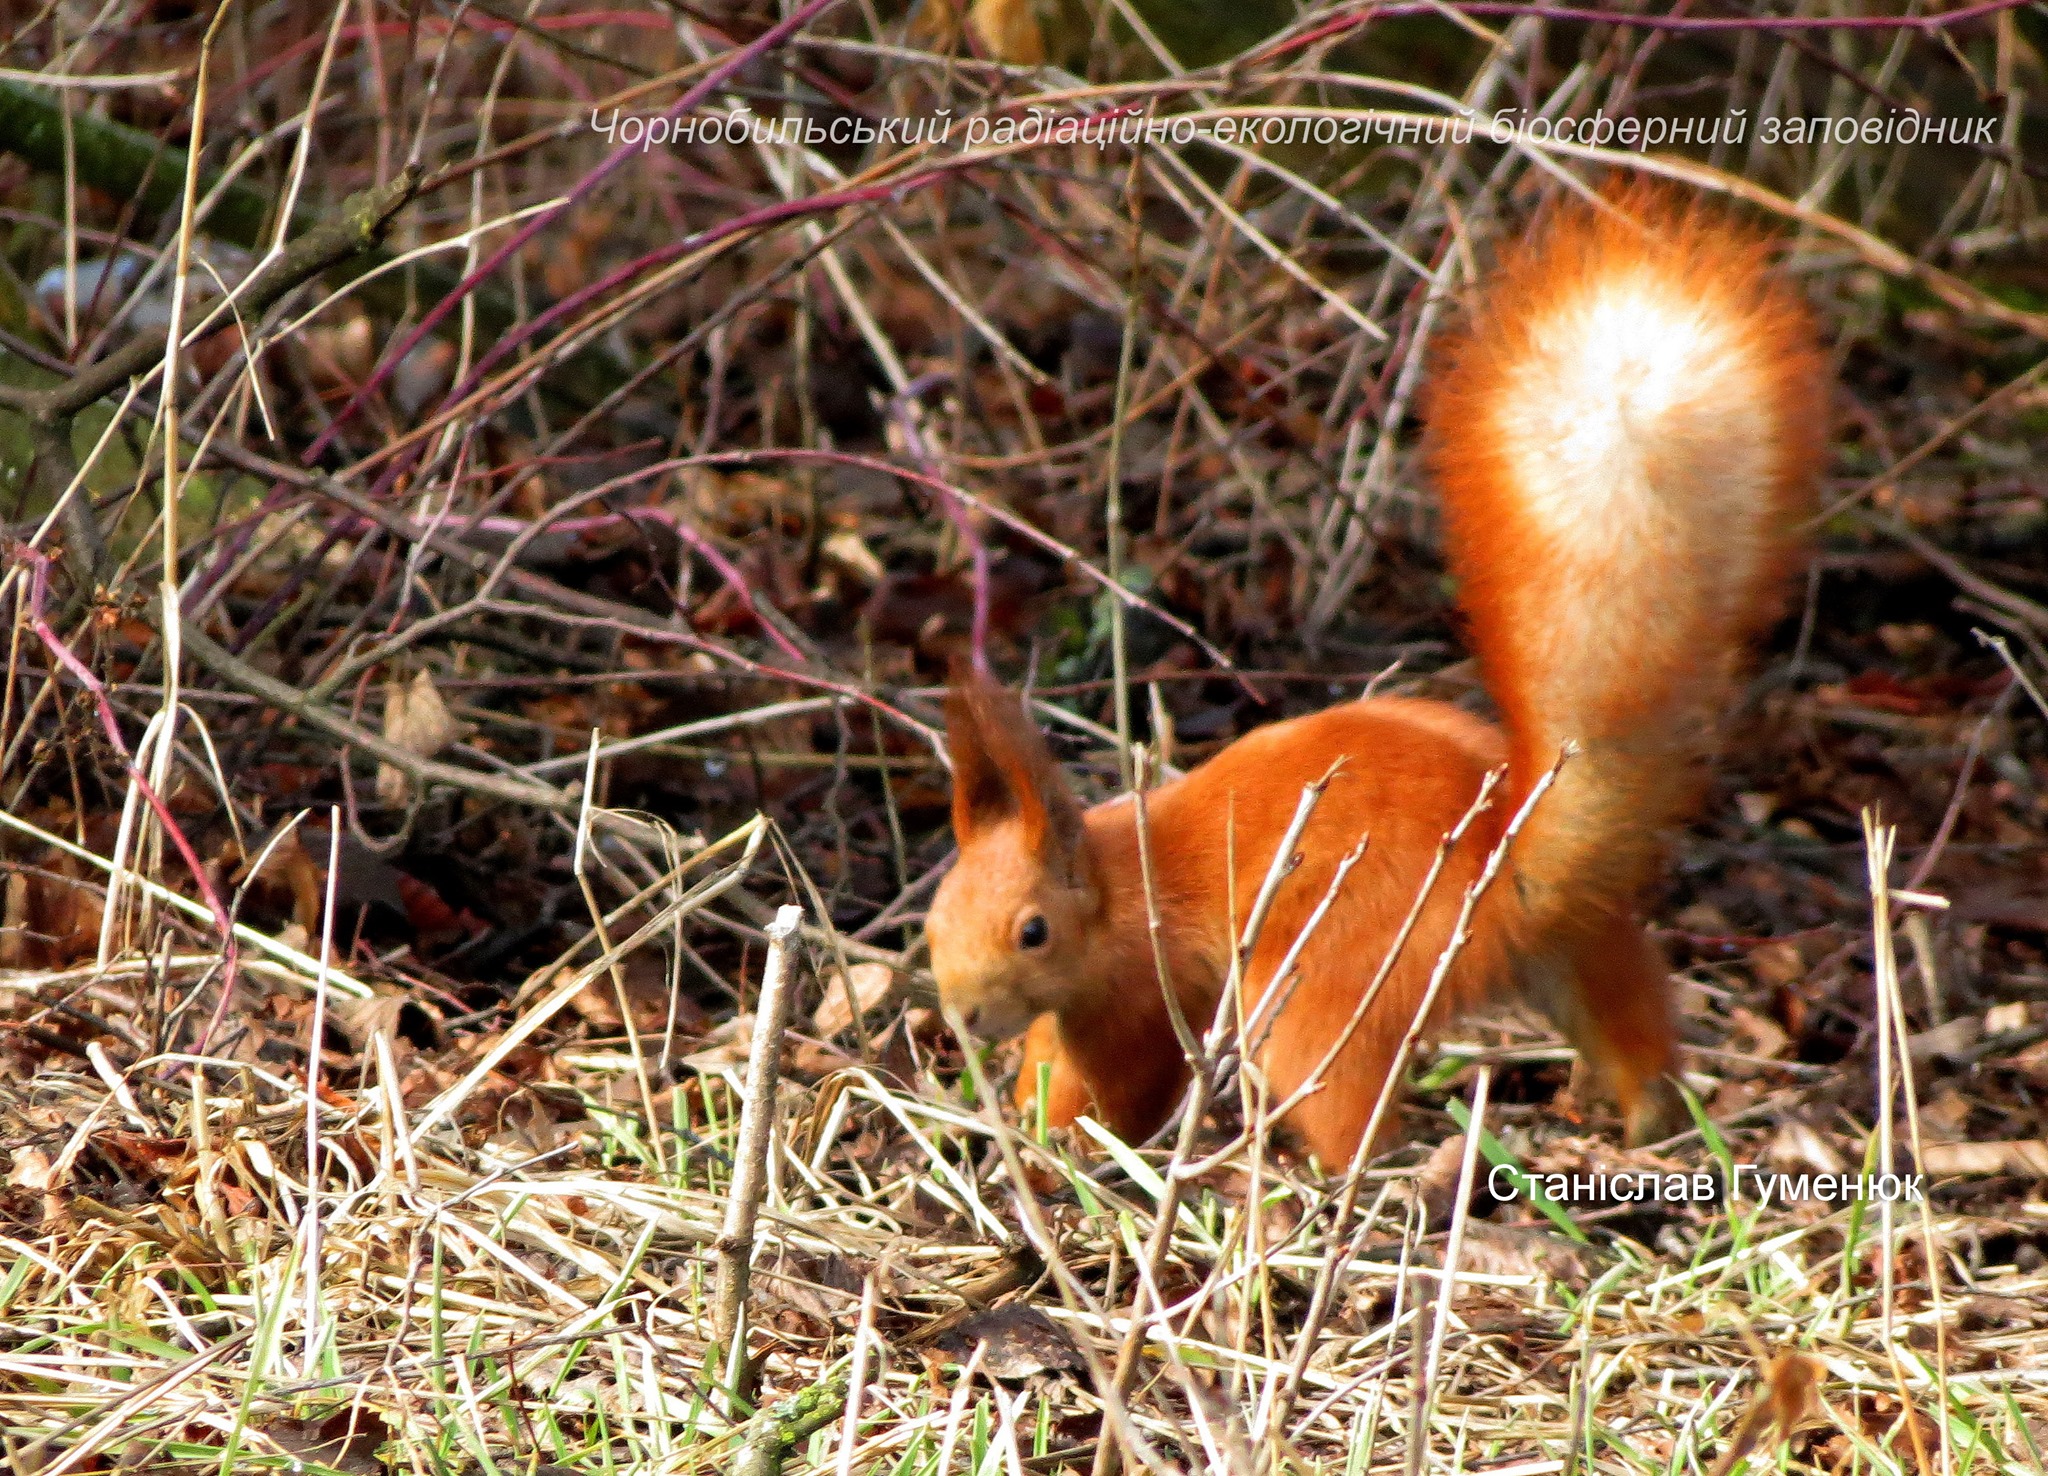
(1625, 437)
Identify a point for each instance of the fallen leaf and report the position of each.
(31, 1169)
(1777, 962)
(418, 721)
(1436, 1182)
(2026, 1157)
(871, 985)
(728, 1045)
(398, 1016)
(1021, 1340)
(342, 355)
(850, 552)
(2001, 1018)
(285, 871)
(1770, 1038)
(1008, 31)
(424, 373)
(346, 1441)
(1949, 1042)
(1798, 1146)
(1516, 1250)
(647, 988)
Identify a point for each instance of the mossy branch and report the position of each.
(357, 227)
(130, 164)
(774, 1434)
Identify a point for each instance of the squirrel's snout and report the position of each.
(993, 1017)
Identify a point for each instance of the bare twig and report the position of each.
(750, 1168)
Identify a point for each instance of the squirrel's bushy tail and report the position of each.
(1626, 440)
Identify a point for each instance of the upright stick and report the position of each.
(735, 1248)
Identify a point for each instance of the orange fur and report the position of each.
(1625, 438)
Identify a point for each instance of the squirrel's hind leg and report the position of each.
(1609, 991)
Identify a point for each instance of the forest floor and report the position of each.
(568, 541)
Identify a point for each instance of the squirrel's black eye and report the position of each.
(1034, 932)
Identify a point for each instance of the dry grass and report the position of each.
(641, 497)
(542, 1295)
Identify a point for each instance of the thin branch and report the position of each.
(735, 1248)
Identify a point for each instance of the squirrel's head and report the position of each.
(1012, 926)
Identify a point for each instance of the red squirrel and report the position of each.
(1626, 437)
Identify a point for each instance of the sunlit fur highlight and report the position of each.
(1625, 441)
(1625, 438)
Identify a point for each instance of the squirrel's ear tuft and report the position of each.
(982, 795)
(1003, 770)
